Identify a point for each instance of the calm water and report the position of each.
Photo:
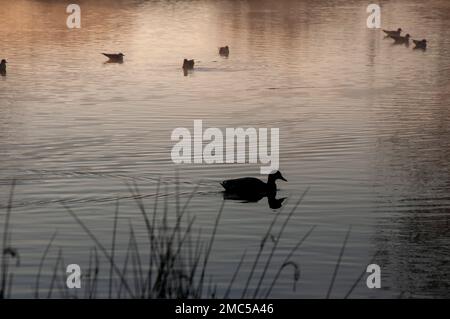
(363, 123)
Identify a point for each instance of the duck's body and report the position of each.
(394, 33)
(250, 186)
(188, 64)
(420, 44)
(247, 184)
(114, 57)
(3, 67)
(224, 51)
(401, 40)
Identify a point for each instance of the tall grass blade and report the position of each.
(287, 259)
(41, 264)
(338, 263)
(102, 248)
(277, 241)
(5, 244)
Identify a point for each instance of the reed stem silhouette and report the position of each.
(177, 261)
(338, 263)
(5, 244)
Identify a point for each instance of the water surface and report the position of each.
(364, 123)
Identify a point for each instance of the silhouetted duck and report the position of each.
(188, 64)
(3, 67)
(420, 44)
(250, 186)
(224, 51)
(114, 57)
(393, 33)
(401, 40)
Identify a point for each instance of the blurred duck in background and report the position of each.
(420, 44)
(224, 51)
(3, 67)
(188, 64)
(114, 57)
(401, 40)
(393, 33)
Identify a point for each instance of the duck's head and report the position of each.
(277, 175)
(3, 61)
(424, 41)
(399, 30)
(407, 36)
(121, 54)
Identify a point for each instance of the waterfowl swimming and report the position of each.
(188, 64)
(114, 57)
(224, 51)
(420, 44)
(393, 33)
(250, 186)
(401, 40)
(3, 67)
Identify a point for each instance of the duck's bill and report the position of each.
(284, 179)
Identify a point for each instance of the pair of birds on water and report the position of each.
(399, 39)
(189, 64)
(253, 189)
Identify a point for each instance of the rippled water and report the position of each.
(364, 123)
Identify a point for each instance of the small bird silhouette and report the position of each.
(224, 51)
(114, 57)
(401, 40)
(188, 64)
(420, 44)
(393, 33)
(3, 67)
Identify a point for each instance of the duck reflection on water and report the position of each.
(272, 201)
